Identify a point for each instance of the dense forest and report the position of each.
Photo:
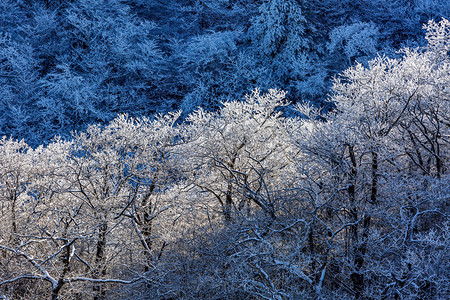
(224, 149)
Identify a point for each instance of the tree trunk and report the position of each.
(352, 196)
(147, 226)
(358, 260)
(99, 293)
(374, 188)
(228, 202)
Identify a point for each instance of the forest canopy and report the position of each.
(67, 64)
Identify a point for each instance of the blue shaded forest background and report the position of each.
(67, 64)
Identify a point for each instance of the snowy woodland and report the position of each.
(224, 149)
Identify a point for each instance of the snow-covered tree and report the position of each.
(239, 153)
(74, 211)
(356, 41)
(108, 65)
(378, 166)
(283, 38)
(19, 71)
